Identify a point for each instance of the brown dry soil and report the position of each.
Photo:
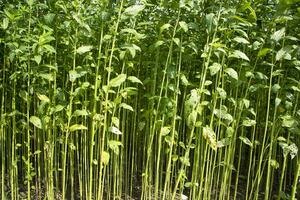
(135, 194)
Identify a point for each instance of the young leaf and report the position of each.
(115, 121)
(114, 145)
(77, 127)
(38, 59)
(210, 136)
(249, 122)
(36, 121)
(165, 130)
(246, 141)
(263, 52)
(185, 160)
(105, 158)
(274, 163)
(43, 98)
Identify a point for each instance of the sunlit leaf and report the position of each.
(73, 75)
(222, 93)
(184, 26)
(222, 114)
(78, 113)
(239, 54)
(278, 35)
(185, 160)
(246, 103)
(177, 41)
(288, 121)
(126, 106)
(48, 77)
(116, 82)
(246, 141)
(5, 23)
(184, 80)
(283, 53)
(115, 130)
(134, 79)
(165, 27)
(191, 119)
(232, 73)
(293, 150)
(43, 97)
(275, 88)
(158, 43)
(214, 68)
(36, 121)
(49, 48)
(241, 40)
(84, 49)
(134, 10)
(190, 106)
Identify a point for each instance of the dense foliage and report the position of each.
(150, 99)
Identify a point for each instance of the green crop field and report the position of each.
(149, 100)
